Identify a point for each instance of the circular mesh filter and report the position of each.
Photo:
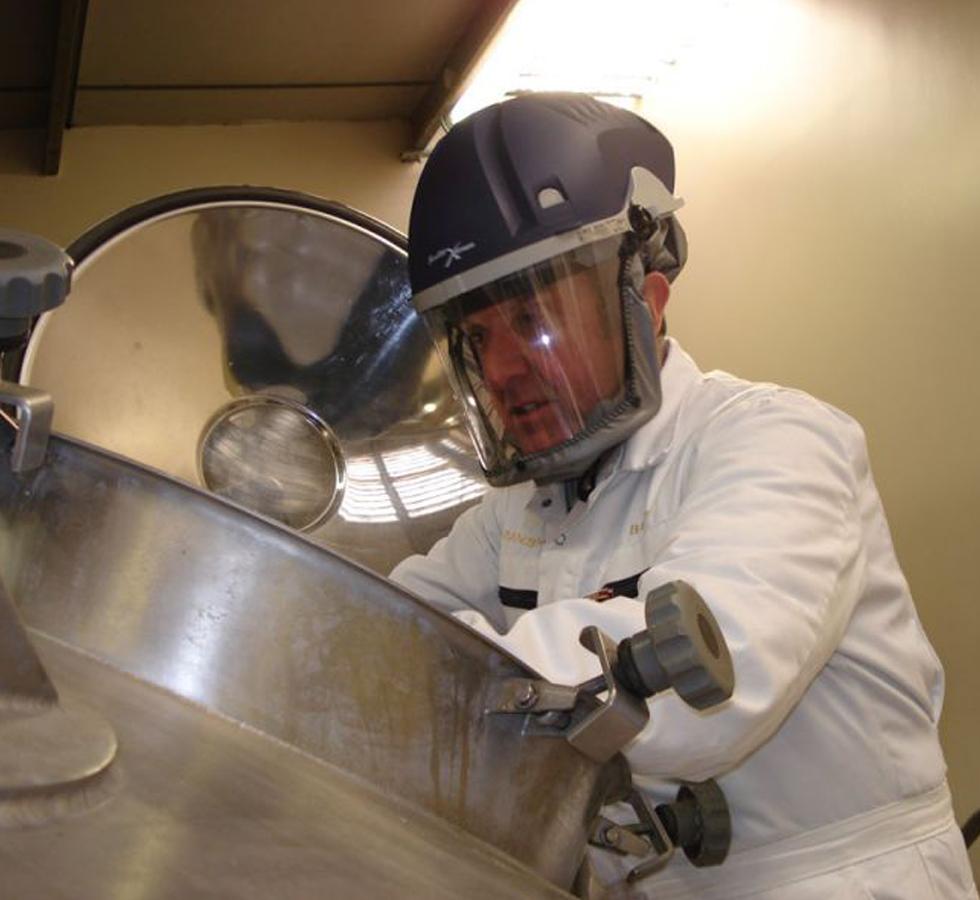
(274, 457)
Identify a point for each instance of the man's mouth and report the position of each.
(524, 409)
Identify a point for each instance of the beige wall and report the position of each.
(828, 152)
(830, 159)
(104, 170)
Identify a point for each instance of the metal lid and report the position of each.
(262, 343)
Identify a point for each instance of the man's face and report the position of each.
(548, 358)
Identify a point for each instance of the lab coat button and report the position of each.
(560, 540)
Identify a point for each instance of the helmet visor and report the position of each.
(538, 357)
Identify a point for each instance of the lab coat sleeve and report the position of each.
(460, 572)
(769, 533)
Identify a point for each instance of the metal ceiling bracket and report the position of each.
(64, 80)
(448, 87)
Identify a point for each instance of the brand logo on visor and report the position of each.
(451, 254)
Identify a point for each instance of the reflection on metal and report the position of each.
(23, 682)
(55, 756)
(140, 580)
(411, 482)
(276, 457)
(188, 303)
(209, 809)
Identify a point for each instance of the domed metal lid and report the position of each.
(262, 343)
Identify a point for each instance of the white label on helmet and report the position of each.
(549, 197)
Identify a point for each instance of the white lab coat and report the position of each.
(762, 499)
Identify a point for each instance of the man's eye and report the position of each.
(476, 338)
(527, 325)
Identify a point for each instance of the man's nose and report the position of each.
(505, 359)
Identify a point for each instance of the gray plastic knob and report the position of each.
(682, 648)
(699, 822)
(35, 276)
(689, 645)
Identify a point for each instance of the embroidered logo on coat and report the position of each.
(623, 587)
(525, 540)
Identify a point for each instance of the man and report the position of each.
(542, 247)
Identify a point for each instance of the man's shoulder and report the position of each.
(697, 397)
(717, 392)
(725, 403)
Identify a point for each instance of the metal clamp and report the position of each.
(647, 838)
(32, 426)
(661, 846)
(526, 695)
(599, 729)
(682, 648)
(620, 717)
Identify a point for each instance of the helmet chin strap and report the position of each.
(632, 248)
(580, 487)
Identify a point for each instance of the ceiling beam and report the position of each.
(64, 80)
(455, 75)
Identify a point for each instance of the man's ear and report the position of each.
(656, 292)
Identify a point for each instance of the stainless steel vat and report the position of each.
(203, 808)
(290, 723)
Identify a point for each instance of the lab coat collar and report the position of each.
(645, 447)
(650, 443)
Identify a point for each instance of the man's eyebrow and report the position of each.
(469, 328)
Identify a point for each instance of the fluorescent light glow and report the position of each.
(682, 53)
(366, 498)
(616, 49)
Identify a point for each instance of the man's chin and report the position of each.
(538, 440)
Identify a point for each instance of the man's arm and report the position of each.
(460, 571)
(769, 533)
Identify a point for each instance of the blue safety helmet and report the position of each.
(532, 227)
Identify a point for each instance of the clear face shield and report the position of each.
(540, 358)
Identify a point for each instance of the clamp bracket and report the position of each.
(32, 425)
(599, 729)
